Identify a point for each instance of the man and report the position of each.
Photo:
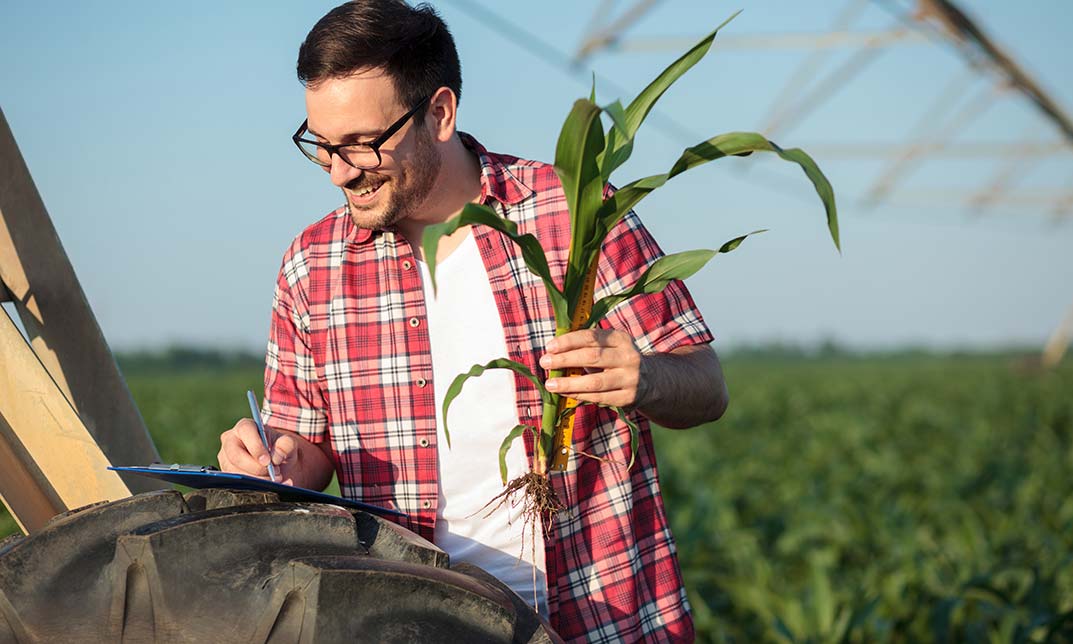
(361, 351)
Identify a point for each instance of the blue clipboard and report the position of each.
(199, 476)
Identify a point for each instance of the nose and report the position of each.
(342, 172)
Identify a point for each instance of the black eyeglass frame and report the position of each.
(374, 145)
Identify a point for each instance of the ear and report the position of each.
(442, 114)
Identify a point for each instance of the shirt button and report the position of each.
(406, 264)
(414, 322)
(421, 382)
(423, 442)
(427, 504)
(528, 412)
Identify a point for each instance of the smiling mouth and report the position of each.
(368, 190)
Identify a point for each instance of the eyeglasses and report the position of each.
(363, 156)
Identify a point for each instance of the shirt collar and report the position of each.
(497, 181)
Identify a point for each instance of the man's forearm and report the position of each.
(682, 388)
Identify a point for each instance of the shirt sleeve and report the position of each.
(658, 322)
(294, 399)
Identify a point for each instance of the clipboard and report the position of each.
(201, 476)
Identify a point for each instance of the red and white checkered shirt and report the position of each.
(349, 361)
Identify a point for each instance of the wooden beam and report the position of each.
(58, 319)
(49, 463)
(29, 502)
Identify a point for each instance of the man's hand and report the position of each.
(611, 360)
(297, 461)
(681, 388)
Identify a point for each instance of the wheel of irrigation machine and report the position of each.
(224, 566)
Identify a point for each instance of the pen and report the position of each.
(255, 409)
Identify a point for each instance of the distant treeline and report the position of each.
(833, 350)
(188, 358)
(185, 358)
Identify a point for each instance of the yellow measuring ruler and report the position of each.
(564, 430)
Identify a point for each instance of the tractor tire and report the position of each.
(224, 566)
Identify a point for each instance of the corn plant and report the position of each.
(585, 157)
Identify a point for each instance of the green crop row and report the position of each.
(879, 500)
(840, 499)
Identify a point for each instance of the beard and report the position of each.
(408, 190)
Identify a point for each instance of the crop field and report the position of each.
(905, 498)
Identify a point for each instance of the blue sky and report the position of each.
(158, 135)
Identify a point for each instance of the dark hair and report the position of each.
(412, 44)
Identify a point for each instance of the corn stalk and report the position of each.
(585, 157)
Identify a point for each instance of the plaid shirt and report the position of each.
(349, 361)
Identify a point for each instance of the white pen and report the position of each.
(255, 409)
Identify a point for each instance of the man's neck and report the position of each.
(458, 183)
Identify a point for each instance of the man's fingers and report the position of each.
(609, 357)
(617, 398)
(598, 382)
(242, 449)
(590, 349)
(283, 449)
(579, 339)
(234, 458)
(593, 358)
(595, 382)
(225, 463)
(585, 357)
(251, 439)
(237, 459)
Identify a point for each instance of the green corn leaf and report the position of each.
(861, 614)
(532, 251)
(822, 604)
(717, 147)
(624, 416)
(782, 629)
(677, 266)
(507, 442)
(646, 100)
(635, 433)
(643, 104)
(549, 422)
(612, 148)
(476, 370)
(580, 141)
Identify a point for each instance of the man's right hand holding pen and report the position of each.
(297, 461)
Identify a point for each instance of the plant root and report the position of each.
(539, 504)
(537, 496)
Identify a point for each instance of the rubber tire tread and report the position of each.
(226, 566)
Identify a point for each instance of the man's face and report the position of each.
(357, 109)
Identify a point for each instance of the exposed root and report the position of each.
(602, 459)
(539, 504)
(538, 498)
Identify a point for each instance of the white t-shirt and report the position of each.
(465, 329)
